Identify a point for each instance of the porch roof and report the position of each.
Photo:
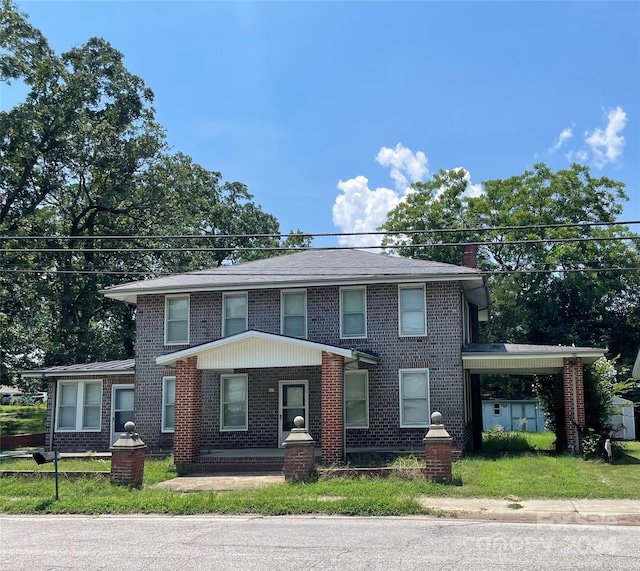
(518, 359)
(259, 350)
(120, 367)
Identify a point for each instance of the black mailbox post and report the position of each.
(45, 458)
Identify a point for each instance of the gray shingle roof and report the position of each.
(299, 269)
(125, 366)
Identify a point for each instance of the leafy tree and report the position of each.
(83, 163)
(544, 249)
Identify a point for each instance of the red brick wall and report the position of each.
(298, 461)
(127, 467)
(438, 460)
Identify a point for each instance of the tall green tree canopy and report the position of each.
(83, 161)
(552, 266)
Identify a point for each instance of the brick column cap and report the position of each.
(128, 440)
(437, 431)
(298, 436)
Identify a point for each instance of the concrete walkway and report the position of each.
(576, 511)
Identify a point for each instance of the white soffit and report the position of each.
(259, 353)
(256, 349)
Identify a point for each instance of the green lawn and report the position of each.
(488, 474)
(16, 419)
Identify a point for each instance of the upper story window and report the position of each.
(356, 399)
(294, 313)
(168, 403)
(176, 320)
(412, 313)
(234, 313)
(79, 406)
(414, 398)
(353, 312)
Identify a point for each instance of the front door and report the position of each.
(121, 409)
(293, 402)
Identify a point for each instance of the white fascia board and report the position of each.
(171, 358)
(132, 296)
(544, 355)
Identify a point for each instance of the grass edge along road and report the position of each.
(492, 474)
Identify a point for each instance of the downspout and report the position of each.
(575, 402)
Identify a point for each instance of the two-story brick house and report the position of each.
(364, 346)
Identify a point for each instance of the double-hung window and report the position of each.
(79, 406)
(168, 404)
(294, 313)
(176, 320)
(414, 398)
(356, 399)
(233, 402)
(353, 312)
(412, 313)
(234, 313)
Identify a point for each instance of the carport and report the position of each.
(564, 362)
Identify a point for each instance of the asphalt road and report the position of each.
(302, 543)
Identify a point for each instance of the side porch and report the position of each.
(564, 363)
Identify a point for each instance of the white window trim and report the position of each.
(164, 429)
(246, 404)
(283, 294)
(366, 400)
(364, 290)
(424, 310)
(79, 405)
(402, 423)
(166, 318)
(224, 308)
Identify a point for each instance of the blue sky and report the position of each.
(329, 110)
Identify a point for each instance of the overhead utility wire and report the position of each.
(205, 273)
(294, 249)
(325, 234)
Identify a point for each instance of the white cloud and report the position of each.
(564, 136)
(359, 208)
(406, 166)
(607, 144)
(577, 156)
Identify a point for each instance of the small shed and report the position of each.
(623, 420)
(525, 415)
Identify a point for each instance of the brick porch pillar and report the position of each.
(573, 391)
(299, 457)
(188, 411)
(331, 402)
(127, 458)
(437, 448)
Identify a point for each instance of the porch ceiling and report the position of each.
(514, 359)
(259, 350)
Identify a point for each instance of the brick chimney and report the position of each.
(470, 255)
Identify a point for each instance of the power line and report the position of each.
(240, 249)
(585, 269)
(325, 234)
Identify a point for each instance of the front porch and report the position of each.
(255, 356)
